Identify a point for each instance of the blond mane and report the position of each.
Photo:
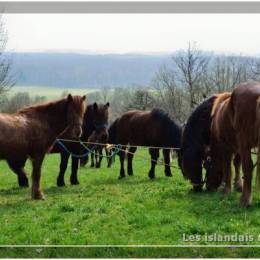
(219, 99)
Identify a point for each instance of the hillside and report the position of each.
(85, 70)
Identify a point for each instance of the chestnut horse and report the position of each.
(195, 148)
(235, 129)
(145, 128)
(31, 131)
(95, 122)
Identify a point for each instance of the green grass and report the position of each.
(105, 211)
(49, 92)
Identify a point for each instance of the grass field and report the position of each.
(49, 92)
(134, 211)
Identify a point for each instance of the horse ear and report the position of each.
(95, 106)
(107, 104)
(84, 98)
(69, 97)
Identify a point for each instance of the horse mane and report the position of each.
(219, 99)
(196, 133)
(56, 105)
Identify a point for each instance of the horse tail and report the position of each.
(258, 143)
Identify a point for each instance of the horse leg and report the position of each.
(74, 171)
(109, 159)
(122, 159)
(64, 157)
(238, 181)
(36, 177)
(92, 160)
(18, 169)
(130, 157)
(227, 172)
(83, 161)
(154, 157)
(167, 159)
(247, 166)
(99, 157)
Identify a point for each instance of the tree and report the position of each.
(141, 100)
(227, 71)
(191, 72)
(168, 95)
(6, 77)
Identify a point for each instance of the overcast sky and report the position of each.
(128, 33)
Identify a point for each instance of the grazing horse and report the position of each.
(145, 128)
(31, 132)
(195, 142)
(235, 129)
(95, 120)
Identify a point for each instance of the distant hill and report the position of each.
(85, 70)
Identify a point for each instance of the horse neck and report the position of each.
(53, 116)
(88, 122)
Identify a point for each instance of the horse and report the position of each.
(235, 130)
(95, 120)
(145, 128)
(195, 142)
(31, 131)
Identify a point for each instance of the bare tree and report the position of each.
(191, 70)
(227, 71)
(142, 100)
(168, 95)
(6, 77)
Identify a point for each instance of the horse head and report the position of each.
(76, 107)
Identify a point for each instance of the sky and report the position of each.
(133, 33)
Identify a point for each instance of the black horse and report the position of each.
(95, 121)
(195, 143)
(145, 128)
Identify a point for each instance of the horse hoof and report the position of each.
(92, 166)
(151, 176)
(244, 202)
(23, 183)
(197, 189)
(238, 187)
(38, 196)
(227, 191)
(121, 177)
(60, 184)
(74, 182)
(168, 175)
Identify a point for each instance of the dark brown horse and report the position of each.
(95, 123)
(145, 128)
(195, 143)
(235, 129)
(31, 132)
